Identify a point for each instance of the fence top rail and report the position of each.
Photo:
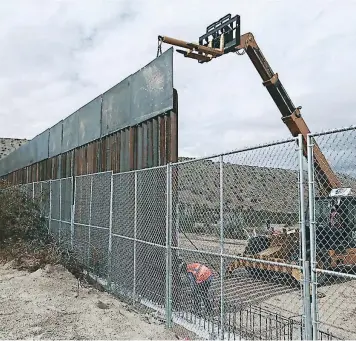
(237, 151)
(140, 170)
(331, 131)
(92, 174)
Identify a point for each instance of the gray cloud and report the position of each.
(57, 56)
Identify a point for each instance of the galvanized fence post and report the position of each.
(110, 229)
(60, 211)
(74, 191)
(311, 186)
(135, 243)
(177, 227)
(222, 246)
(33, 191)
(50, 208)
(41, 205)
(305, 263)
(169, 247)
(90, 210)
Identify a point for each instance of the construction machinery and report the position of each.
(335, 248)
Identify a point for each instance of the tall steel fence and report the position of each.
(254, 217)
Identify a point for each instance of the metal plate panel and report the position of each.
(70, 132)
(89, 120)
(27, 154)
(152, 89)
(137, 99)
(116, 108)
(2, 167)
(7, 164)
(41, 143)
(12, 160)
(55, 139)
(15, 159)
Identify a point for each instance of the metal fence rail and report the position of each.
(250, 216)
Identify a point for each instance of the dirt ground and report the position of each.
(46, 304)
(336, 299)
(336, 306)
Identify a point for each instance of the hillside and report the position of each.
(246, 188)
(8, 145)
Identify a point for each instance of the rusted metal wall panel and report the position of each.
(113, 132)
(152, 143)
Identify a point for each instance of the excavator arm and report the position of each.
(291, 115)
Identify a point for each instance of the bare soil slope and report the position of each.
(45, 305)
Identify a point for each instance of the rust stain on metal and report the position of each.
(148, 144)
(162, 140)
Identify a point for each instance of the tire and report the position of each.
(323, 256)
(256, 245)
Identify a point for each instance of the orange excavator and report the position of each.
(333, 250)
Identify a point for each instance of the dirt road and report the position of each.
(46, 305)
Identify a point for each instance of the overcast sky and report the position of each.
(58, 55)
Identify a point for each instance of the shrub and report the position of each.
(20, 218)
(24, 236)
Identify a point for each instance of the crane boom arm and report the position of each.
(291, 115)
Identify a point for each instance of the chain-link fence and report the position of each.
(333, 231)
(245, 245)
(239, 215)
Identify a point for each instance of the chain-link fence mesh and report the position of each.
(123, 266)
(195, 211)
(223, 246)
(261, 219)
(45, 198)
(82, 218)
(334, 229)
(100, 217)
(66, 205)
(255, 258)
(151, 226)
(55, 223)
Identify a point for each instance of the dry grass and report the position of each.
(24, 236)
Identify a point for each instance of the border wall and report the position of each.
(131, 126)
